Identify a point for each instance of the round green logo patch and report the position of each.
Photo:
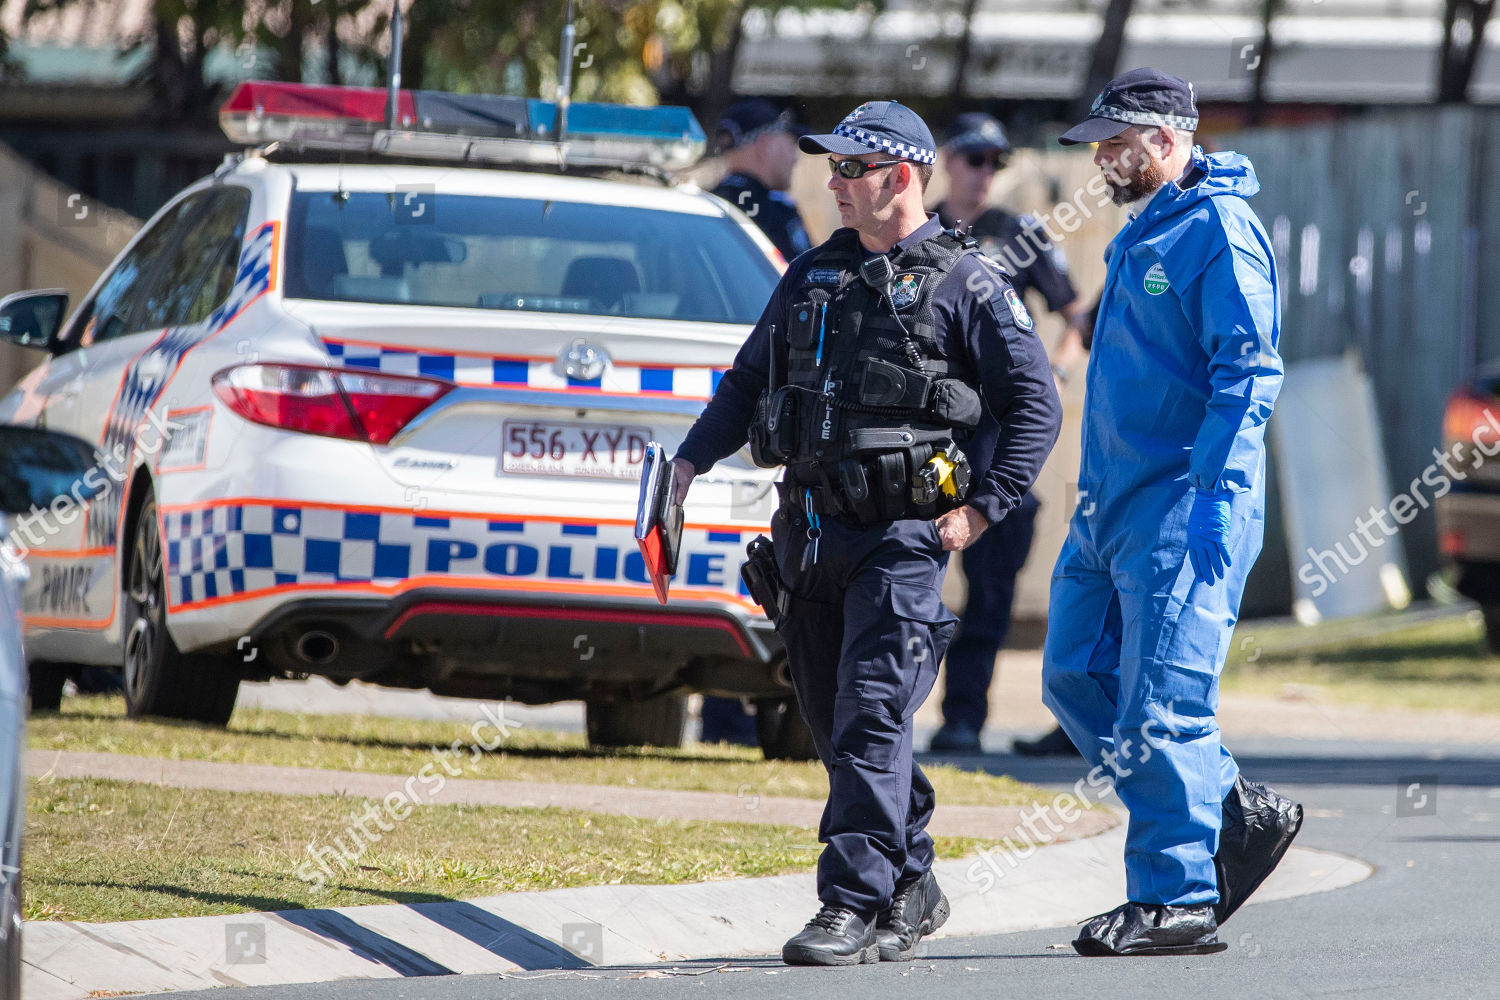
(1156, 280)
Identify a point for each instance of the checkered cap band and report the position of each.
(1119, 114)
(904, 150)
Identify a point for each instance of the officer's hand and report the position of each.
(683, 474)
(960, 528)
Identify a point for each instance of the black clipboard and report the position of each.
(658, 521)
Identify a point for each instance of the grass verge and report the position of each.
(107, 850)
(1436, 664)
(403, 746)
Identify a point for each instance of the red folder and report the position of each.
(658, 521)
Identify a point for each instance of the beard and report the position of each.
(1145, 179)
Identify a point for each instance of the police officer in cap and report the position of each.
(876, 350)
(760, 149)
(974, 150)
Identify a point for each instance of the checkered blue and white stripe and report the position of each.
(249, 548)
(904, 150)
(524, 373)
(1116, 113)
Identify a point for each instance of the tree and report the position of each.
(1263, 55)
(1464, 22)
(1104, 64)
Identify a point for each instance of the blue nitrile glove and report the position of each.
(1208, 534)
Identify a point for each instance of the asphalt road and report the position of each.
(1423, 926)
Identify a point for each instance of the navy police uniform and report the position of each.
(865, 626)
(773, 211)
(992, 563)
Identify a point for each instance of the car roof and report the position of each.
(686, 199)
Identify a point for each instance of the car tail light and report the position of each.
(334, 402)
(1467, 410)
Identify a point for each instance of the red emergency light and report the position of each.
(259, 112)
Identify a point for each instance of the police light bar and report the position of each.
(461, 127)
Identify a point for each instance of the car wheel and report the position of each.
(160, 680)
(782, 732)
(657, 722)
(10, 948)
(45, 686)
(1491, 614)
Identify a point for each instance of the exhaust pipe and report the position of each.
(784, 673)
(317, 648)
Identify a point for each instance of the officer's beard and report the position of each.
(1147, 179)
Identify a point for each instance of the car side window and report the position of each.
(111, 311)
(198, 273)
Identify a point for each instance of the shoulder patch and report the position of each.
(906, 288)
(1018, 310)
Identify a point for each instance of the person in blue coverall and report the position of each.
(1183, 376)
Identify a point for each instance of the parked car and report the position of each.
(381, 416)
(1468, 514)
(38, 470)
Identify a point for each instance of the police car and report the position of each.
(382, 416)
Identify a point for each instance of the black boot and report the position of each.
(917, 909)
(836, 936)
(1258, 828)
(1151, 929)
(1054, 744)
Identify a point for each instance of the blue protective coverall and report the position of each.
(1183, 375)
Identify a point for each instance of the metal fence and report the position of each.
(1386, 232)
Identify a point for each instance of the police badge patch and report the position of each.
(1018, 310)
(905, 289)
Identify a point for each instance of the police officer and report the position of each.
(1182, 379)
(876, 349)
(975, 148)
(760, 149)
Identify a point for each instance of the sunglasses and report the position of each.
(978, 161)
(855, 169)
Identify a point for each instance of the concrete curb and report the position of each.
(579, 928)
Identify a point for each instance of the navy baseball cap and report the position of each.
(975, 132)
(1141, 97)
(877, 127)
(747, 120)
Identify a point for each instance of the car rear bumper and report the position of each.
(1468, 523)
(533, 649)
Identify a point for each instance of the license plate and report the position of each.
(596, 451)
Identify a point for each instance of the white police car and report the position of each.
(383, 419)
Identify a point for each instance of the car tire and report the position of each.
(1491, 614)
(10, 955)
(45, 685)
(657, 722)
(782, 732)
(159, 679)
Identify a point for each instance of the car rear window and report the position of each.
(417, 247)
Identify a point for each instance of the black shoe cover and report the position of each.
(836, 936)
(1054, 744)
(1151, 929)
(1258, 828)
(917, 909)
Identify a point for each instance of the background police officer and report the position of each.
(875, 349)
(759, 145)
(975, 148)
(760, 149)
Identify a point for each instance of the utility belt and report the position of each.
(921, 482)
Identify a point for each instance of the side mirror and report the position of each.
(32, 319)
(39, 466)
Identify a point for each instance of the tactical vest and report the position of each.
(867, 398)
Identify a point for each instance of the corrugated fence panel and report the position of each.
(1385, 231)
